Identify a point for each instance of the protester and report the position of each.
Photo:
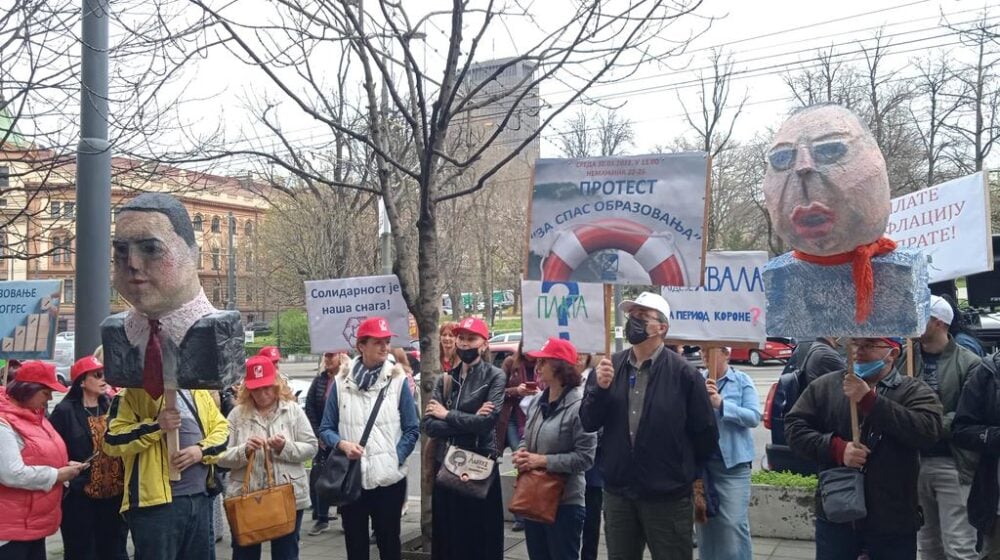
(272, 353)
(170, 520)
(267, 420)
(945, 472)
(447, 347)
(393, 436)
(726, 535)
(465, 526)
(316, 397)
(95, 530)
(520, 372)
(976, 427)
(34, 464)
(556, 442)
(820, 358)
(594, 493)
(10, 370)
(959, 329)
(659, 431)
(399, 356)
(899, 416)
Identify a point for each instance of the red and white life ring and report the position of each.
(656, 254)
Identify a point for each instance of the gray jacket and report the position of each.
(568, 449)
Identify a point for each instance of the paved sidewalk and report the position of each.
(330, 545)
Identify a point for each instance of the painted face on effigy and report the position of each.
(826, 188)
(155, 269)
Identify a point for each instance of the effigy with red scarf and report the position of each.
(827, 195)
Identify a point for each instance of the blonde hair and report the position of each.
(284, 392)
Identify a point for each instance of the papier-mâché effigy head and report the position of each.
(826, 187)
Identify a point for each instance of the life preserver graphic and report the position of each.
(657, 254)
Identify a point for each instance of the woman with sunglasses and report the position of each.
(91, 526)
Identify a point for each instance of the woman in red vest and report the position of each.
(33, 464)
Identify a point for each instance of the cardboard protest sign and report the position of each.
(949, 223)
(28, 318)
(567, 310)
(337, 307)
(619, 220)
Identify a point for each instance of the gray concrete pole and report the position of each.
(231, 271)
(93, 183)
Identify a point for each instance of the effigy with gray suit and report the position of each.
(827, 194)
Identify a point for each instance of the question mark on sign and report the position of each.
(755, 313)
(562, 311)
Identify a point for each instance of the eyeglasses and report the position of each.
(823, 153)
(869, 346)
(99, 374)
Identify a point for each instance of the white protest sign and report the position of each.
(566, 310)
(730, 307)
(619, 220)
(950, 223)
(337, 307)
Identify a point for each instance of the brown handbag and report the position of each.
(537, 494)
(262, 515)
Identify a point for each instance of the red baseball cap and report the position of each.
(260, 372)
(556, 349)
(84, 366)
(271, 353)
(42, 373)
(474, 326)
(374, 327)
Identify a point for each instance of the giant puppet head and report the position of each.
(826, 187)
(155, 255)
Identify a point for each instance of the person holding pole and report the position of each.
(894, 418)
(659, 431)
(726, 536)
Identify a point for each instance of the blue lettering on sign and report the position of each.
(740, 280)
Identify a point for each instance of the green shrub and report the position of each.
(784, 478)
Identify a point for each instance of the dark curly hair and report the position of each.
(565, 372)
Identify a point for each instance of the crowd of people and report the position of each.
(658, 450)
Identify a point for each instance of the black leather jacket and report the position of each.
(463, 427)
(976, 427)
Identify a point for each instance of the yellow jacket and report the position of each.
(134, 435)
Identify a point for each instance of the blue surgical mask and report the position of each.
(864, 370)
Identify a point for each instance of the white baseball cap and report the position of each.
(941, 310)
(648, 300)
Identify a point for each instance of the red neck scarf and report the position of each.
(861, 270)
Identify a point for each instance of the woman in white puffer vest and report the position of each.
(393, 436)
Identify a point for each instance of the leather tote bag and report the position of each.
(262, 515)
(537, 494)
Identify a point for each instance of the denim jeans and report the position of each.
(666, 525)
(946, 534)
(559, 541)
(839, 541)
(727, 535)
(282, 548)
(180, 530)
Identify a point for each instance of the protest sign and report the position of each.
(337, 307)
(729, 307)
(619, 220)
(950, 223)
(567, 310)
(29, 312)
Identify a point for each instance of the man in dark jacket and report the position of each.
(820, 359)
(659, 430)
(899, 416)
(976, 427)
(316, 397)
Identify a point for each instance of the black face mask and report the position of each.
(635, 331)
(468, 355)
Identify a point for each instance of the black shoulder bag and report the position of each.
(339, 483)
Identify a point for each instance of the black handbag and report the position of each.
(339, 482)
(463, 471)
(842, 494)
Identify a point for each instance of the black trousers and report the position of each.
(93, 529)
(384, 506)
(594, 500)
(23, 550)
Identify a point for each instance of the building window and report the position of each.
(249, 260)
(216, 257)
(4, 177)
(69, 209)
(57, 250)
(217, 293)
(55, 208)
(248, 229)
(198, 223)
(62, 325)
(200, 265)
(216, 225)
(3, 202)
(69, 291)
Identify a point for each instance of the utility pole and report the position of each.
(231, 269)
(93, 183)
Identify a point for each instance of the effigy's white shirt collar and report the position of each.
(174, 324)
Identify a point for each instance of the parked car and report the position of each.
(63, 355)
(259, 327)
(299, 388)
(506, 337)
(775, 348)
(501, 350)
(780, 399)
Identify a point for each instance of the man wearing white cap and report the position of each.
(945, 471)
(659, 431)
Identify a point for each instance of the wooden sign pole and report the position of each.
(855, 428)
(909, 357)
(711, 355)
(608, 319)
(173, 437)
